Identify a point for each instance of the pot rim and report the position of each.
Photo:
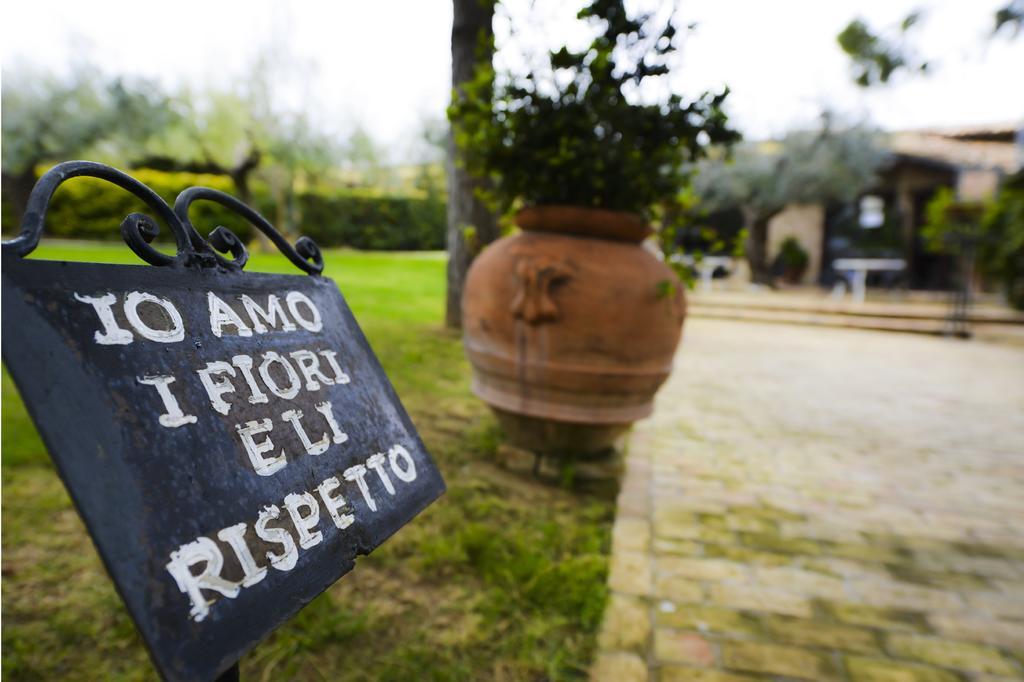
(584, 221)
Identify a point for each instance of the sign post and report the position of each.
(229, 439)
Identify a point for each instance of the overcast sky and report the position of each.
(386, 64)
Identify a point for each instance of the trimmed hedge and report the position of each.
(87, 208)
(384, 223)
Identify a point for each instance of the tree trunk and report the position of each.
(905, 206)
(240, 174)
(756, 247)
(472, 46)
(16, 189)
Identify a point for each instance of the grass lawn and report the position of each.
(503, 578)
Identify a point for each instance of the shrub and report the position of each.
(577, 130)
(380, 223)
(1001, 254)
(88, 208)
(995, 229)
(792, 255)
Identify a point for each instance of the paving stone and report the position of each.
(783, 545)
(946, 653)
(815, 633)
(703, 569)
(873, 616)
(864, 552)
(847, 568)
(678, 673)
(998, 603)
(618, 667)
(672, 515)
(990, 567)
(948, 580)
(630, 573)
(717, 521)
(820, 531)
(878, 670)
(633, 505)
(800, 581)
(678, 589)
(993, 631)
(706, 619)
(627, 624)
(718, 536)
(1014, 588)
(673, 530)
(738, 521)
(747, 555)
(631, 535)
(906, 596)
(753, 598)
(682, 647)
(695, 503)
(669, 547)
(770, 513)
(773, 659)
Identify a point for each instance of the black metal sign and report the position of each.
(229, 438)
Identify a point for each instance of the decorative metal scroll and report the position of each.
(139, 230)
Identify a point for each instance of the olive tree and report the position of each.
(243, 133)
(298, 154)
(761, 179)
(50, 118)
(221, 132)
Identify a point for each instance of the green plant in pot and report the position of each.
(583, 130)
(571, 325)
(793, 259)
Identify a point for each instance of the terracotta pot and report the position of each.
(569, 335)
(794, 274)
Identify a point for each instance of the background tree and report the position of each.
(51, 118)
(468, 215)
(988, 235)
(365, 160)
(1001, 249)
(298, 155)
(223, 132)
(820, 166)
(243, 133)
(427, 153)
(877, 55)
(1009, 18)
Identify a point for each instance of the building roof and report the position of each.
(1006, 131)
(991, 147)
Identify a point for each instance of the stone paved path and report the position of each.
(823, 504)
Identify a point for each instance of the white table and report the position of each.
(859, 269)
(706, 267)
